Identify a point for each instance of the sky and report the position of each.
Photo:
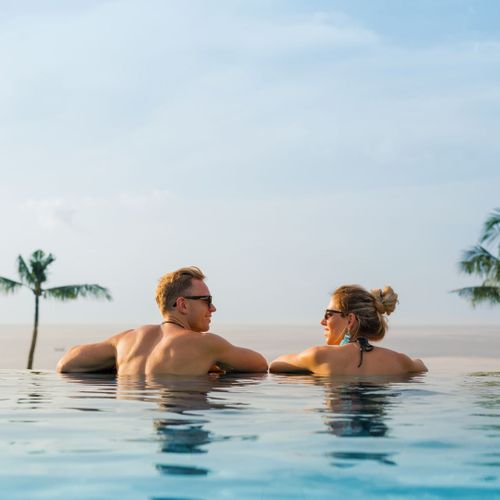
(285, 147)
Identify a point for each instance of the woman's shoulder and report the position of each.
(409, 364)
(322, 353)
(390, 353)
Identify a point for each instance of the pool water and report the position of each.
(435, 435)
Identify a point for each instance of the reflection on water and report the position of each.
(349, 458)
(181, 470)
(187, 435)
(486, 387)
(181, 431)
(356, 409)
(359, 408)
(312, 437)
(101, 386)
(35, 397)
(182, 436)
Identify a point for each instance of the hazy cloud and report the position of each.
(290, 144)
(51, 214)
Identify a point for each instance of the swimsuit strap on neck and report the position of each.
(364, 346)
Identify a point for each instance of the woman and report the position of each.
(354, 318)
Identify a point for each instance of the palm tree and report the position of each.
(33, 275)
(480, 261)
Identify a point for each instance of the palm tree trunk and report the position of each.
(35, 333)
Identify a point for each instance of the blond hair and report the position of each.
(370, 308)
(173, 285)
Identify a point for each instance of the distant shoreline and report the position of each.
(479, 341)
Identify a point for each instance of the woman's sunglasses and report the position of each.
(330, 312)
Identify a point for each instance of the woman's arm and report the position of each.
(418, 366)
(303, 362)
(412, 365)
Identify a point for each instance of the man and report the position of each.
(180, 345)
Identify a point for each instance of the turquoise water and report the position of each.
(270, 436)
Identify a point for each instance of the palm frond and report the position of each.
(9, 286)
(477, 260)
(39, 262)
(491, 227)
(24, 272)
(480, 294)
(71, 292)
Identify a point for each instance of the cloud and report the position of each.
(59, 213)
(292, 35)
(259, 139)
(196, 98)
(51, 214)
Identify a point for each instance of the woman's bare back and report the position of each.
(345, 360)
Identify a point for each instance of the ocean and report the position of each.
(424, 341)
(264, 436)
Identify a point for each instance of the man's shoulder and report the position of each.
(133, 333)
(209, 341)
(209, 338)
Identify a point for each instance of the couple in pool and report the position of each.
(181, 344)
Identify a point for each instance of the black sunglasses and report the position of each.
(206, 298)
(330, 312)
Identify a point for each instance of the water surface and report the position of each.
(268, 436)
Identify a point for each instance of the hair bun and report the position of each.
(385, 300)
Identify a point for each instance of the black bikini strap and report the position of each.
(364, 346)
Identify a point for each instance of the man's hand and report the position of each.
(215, 369)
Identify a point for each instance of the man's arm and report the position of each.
(303, 362)
(90, 357)
(236, 359)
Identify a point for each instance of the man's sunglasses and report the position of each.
(330, 312)
(206, 298)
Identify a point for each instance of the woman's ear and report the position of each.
(352, 322)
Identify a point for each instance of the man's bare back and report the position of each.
(154, 349)
(181, 345)
(161, 349)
